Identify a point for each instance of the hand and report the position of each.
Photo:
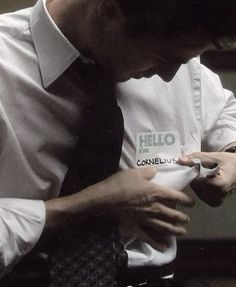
(133, 199)
(214, 190)
(128, 196)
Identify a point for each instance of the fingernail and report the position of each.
(187, 219)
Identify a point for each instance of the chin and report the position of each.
(144, 76)
(122, 79)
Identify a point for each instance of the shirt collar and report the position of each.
(55, 52)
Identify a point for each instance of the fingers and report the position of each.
(207, 159)
(162, 227)
(165, 213)
(209, 192)
(147, 172)
(161, 220)
(168, 195)
(158, 192)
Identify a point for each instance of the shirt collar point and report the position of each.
(58, 53)
(49, 75)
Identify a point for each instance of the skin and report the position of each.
(214, 190)
(126, 192)
(97, 29)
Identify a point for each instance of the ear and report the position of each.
(109, 10)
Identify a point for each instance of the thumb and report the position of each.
(147, 172)
(206, 159)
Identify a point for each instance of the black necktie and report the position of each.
(87, 255)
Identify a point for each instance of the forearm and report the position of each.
(126, 192)
(127, 195)
(23, 221)
(92, 201)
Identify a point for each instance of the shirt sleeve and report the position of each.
(219, 113)
(22, 223)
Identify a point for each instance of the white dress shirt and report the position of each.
(40, 104)
(164, 121)
(38, 124)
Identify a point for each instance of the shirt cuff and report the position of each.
(21, 225)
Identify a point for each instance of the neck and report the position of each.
(79, 22)
(74, 17)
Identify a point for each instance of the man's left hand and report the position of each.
(213, 190)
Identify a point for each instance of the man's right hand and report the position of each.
(128, 196)
(131, 197)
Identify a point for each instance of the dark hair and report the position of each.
(216, 19)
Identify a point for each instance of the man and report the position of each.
(48, 98)
(158, 134)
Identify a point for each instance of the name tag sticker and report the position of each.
(157, 148)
